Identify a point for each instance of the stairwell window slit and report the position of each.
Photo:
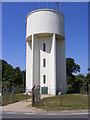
(44, 47)
(44, 79)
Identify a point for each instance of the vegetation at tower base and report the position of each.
(76, 83)
(12, 75)
(72, 67)
(0, 77)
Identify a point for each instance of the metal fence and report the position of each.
(36, 95)
(13, 94)
(85, 89)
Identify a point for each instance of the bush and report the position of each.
(69, 89)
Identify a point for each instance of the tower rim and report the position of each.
(44, 9)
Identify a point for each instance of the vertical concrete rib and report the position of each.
(32, 60)
(54, 61)
(26, 65)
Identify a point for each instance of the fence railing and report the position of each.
(13, 94)
(35, 95)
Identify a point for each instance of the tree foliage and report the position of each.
(76, 82)
(11, 75)
(88, 78)
(71, 66)
(72, 82)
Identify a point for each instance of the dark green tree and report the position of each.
(18, 76)
(11, 75)
(79, 81)
(87, 83)
(7, 73)
(23, 79)
(88, 78)
(71, 68)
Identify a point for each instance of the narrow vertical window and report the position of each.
(44, 62)
(44, 79)
(44, 47)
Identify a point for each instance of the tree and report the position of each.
(79, 81)
(88, 78)
(24, 79)
(8, 73)
(0, 75)
(18, 76)
(71, 66)
(87, 83)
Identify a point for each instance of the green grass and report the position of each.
(17, 97)
(69, 102)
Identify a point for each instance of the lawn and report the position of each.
(17, 97)
(69, 102)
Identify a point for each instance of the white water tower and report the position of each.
(45, 51)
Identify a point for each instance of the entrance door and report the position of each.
(44, 90)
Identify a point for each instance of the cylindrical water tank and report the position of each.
(45, 21)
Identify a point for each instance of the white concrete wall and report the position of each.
(44, 55)
(49, 69)
(45, 21)
(29, 65)
(36, 62)
(53, 67)
(60, 66)
(38, 69)
(42, 27)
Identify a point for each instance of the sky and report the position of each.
(89, 36)
(14, 31)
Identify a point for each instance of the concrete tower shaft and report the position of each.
(45, 51)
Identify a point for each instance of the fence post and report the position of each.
(33, 96)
